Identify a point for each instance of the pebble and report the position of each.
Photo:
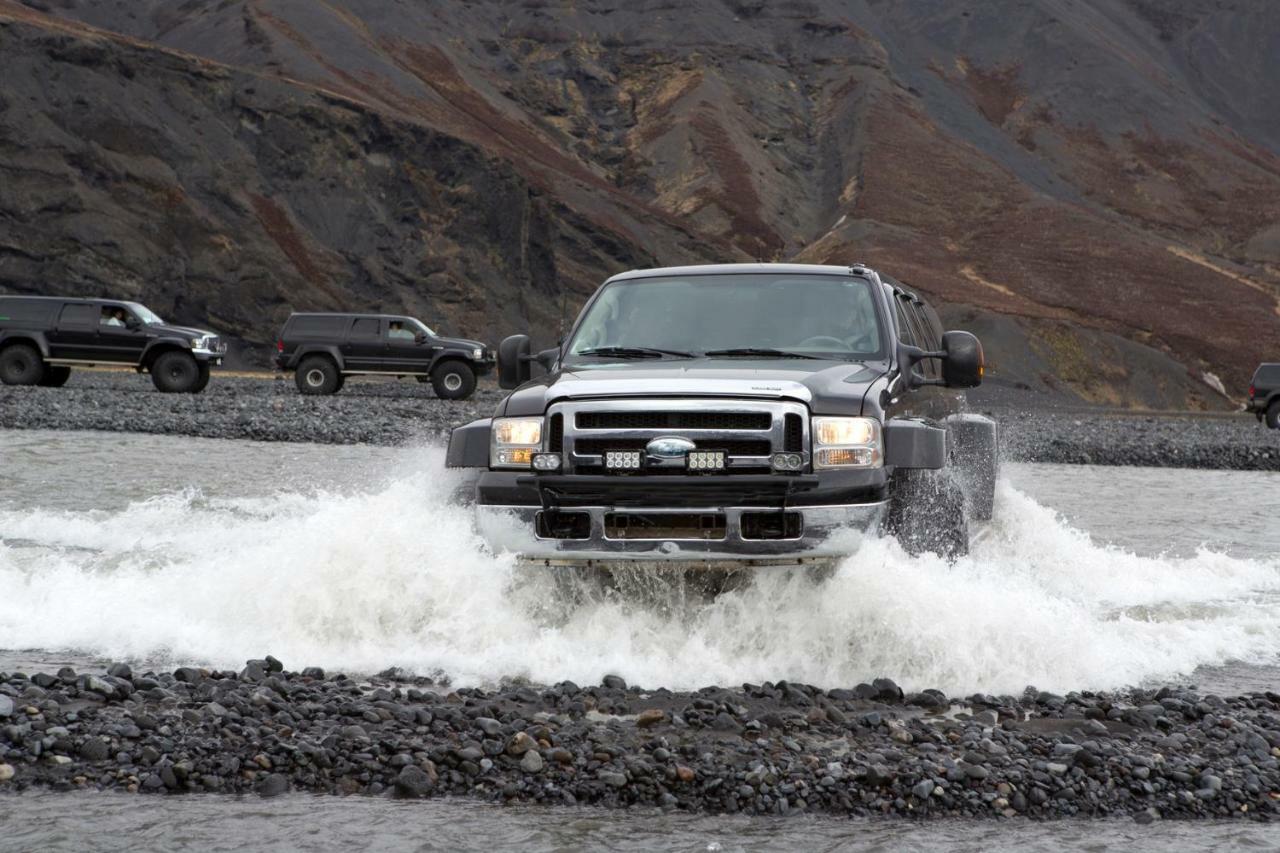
(397, 735)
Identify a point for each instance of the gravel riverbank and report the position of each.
(391, 412)
(759, 749)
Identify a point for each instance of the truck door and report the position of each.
(75, 333)
(365, 348)
(121, 335)
(408, 349)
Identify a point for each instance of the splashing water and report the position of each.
(392, 575)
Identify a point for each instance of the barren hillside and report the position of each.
(1092, 184)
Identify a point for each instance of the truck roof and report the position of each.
(742, 269)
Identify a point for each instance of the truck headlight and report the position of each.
(847, 443)
(477, 354)
(197, 343)
(514, 441)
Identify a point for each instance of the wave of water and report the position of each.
(394, 576)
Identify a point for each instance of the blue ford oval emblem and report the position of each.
(669, 447)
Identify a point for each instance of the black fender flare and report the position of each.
(155, 348)
(469, 445)
(451, 354)
(317, 349)
(13, 336)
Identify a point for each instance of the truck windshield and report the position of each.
(734, 315)
(145, 314)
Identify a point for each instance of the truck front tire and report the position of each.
(927, 513)
(175, 372)
(1273, 414)
(20, 364)
(318, 375)
(453, 380)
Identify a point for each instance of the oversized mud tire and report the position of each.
(1273, 414)
(175, 372)
(20, 364)
(317, 374)
(927, 513)
(203, 381)
(453, 380)
(55, 376)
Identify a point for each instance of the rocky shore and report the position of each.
(758, 749)
(388, 412)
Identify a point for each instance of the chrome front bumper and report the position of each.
(828, 532)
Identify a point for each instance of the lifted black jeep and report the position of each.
(735, 414)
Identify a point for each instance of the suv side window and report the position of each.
(79, 315)
(365, 328)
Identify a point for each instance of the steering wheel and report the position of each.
(820, 341)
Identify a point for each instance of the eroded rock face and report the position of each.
(1113, 171)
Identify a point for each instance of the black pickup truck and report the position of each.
(1264, 394)
(322, 350)
(736, 414)
(42, 338)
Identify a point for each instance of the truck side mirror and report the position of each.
(420, 338)
(963, 365)
(513, 362)
(132, 323)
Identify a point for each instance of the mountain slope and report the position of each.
(1091, 180)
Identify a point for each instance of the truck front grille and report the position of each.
(747, 431)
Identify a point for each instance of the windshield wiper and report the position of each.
(759, 351)
(634, 352)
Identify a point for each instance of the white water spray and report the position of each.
(394, 576)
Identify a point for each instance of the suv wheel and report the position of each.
(453, 380)
(55, 376)
(318, 375)
(926, 513)
(20, 364)
(175, 372)
(1273, 414)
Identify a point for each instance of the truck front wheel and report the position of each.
(1273, 414)
(453, 380)
(926, 513)
(175, 372)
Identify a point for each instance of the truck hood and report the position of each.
(181, 331)
(461, 343)
(827, 387)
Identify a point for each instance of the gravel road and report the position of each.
(759, 749)
(381, 411)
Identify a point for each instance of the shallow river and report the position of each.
(168, 550)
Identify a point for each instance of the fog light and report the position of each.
(846, 457)
(787, 461)
(706, 460)
(622, 460)
(546, 462)
(515, 456)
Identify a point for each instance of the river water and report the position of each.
(165, 551)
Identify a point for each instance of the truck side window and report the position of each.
(81, 315)
(365, 328)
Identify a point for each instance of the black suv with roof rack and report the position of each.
(730, 415)
(43, 337)
(1264, 394)
(322, 350)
